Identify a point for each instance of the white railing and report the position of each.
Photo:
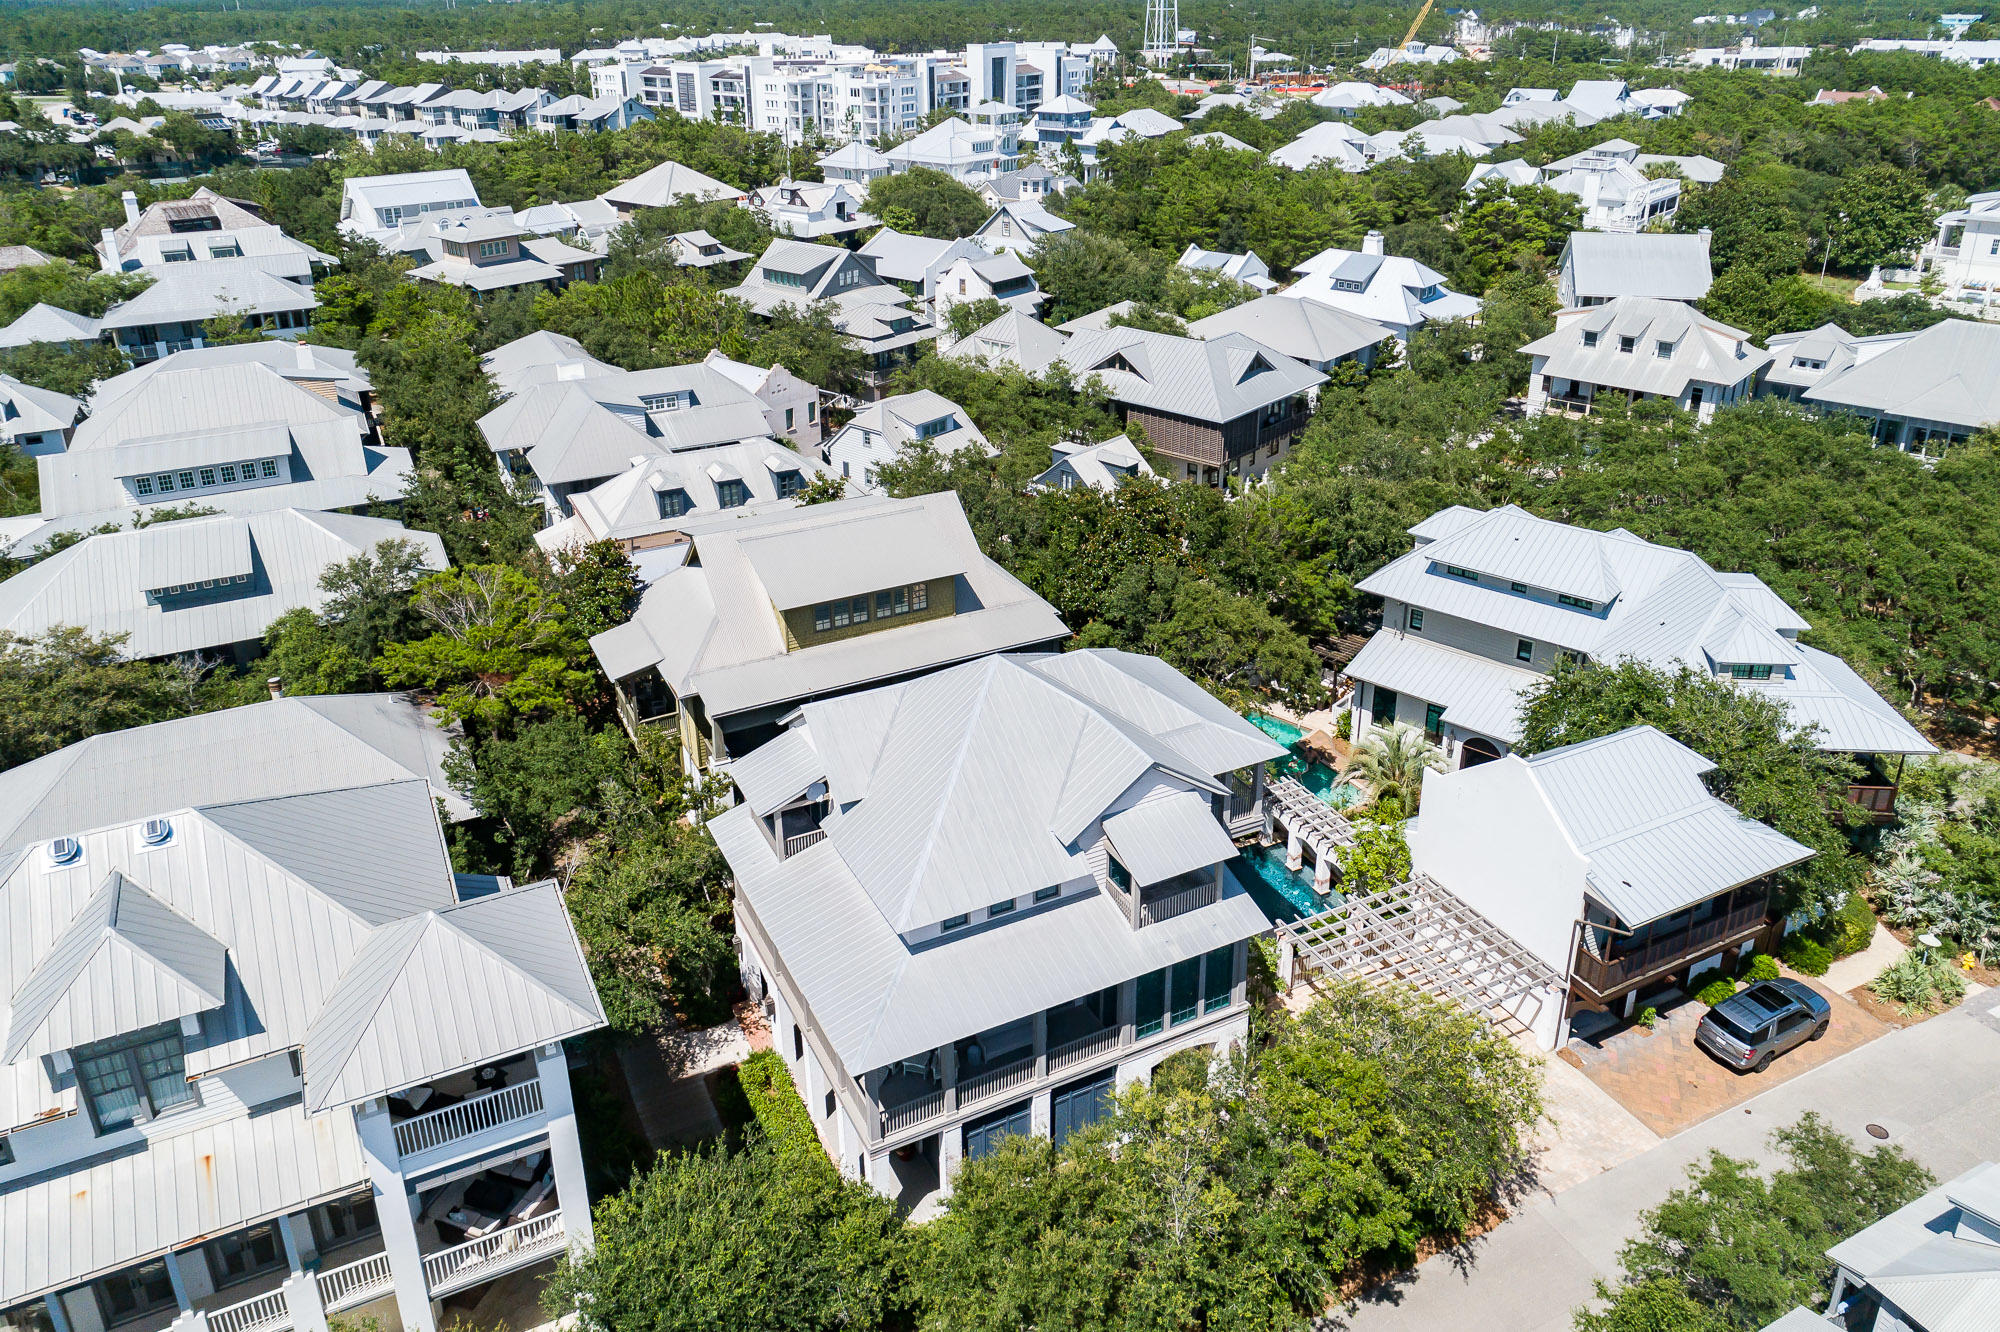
(1082, 1048)
(355, 1284)
(475, 1114)
(489, 1255)
(259, 1313)
(896, 1118)
(800, 841)
(993, 1081)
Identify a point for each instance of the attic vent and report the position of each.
(157, 832)
(65, 851)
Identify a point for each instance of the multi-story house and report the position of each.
(376, 207)
(1216, 408)
(590, 114)
(1635, 348)
(267, 1059)
(35, 420)
(977, 903)
(882, 430)
(488, 250)
(811, 209)
(1019, 226)
(204, 228)
(665, 184)
(873, 314)
(1308, 332)
(791, 405)
(966, 152)
(854, 162)
(1965, 253)
(1488, 603)
(778, 608)
(1398, 293)
(1922, 391)
(943, 273)
(1785, 61)
(1597, 266)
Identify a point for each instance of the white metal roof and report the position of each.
(1168, 835)
(1214, 380)
(1307, 331)
(1475, 691)
(1944, 373)
(1616, 345)
(663, 184)
(861, 552)
(1669, 266)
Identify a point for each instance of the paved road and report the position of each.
(1936, 1087)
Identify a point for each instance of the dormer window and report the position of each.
(1627, 344)
(1575, 603)
(789, 483)
(661, 402)
(1742, 671)
(1000, 908)
(958, 922)
(674, 502)
(1457, 572)
(732, 493)
(849, 277)
(1519, 589)
(134, 1078)
(1590, 337)
(1663, 349)
(943, 425)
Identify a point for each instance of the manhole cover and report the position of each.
(1877, 1131)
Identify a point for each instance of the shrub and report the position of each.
(1759, 967)
(1648, 1017)
(1344, 727)
(1805, 956)
(1715, 991)
(767, 1085)
(1916, 985)
(1852, 928)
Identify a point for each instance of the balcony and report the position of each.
(477, 1114)
(1878, 801)
(1626, 967)
(354, 1284)
(1178, 896)
(490, 1255)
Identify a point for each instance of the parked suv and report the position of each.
(1750, 1029)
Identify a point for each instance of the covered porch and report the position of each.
(1615, 962)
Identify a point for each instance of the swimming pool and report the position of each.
(1282, 894)
(1310, 773)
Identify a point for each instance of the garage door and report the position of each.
(984, 1134)
(1080, 1104)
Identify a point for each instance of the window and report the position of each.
(1218, 983)
(1577, 602)
(143, 484)
(883, 601)
(247, 1253)
(1663, 349)
(1186, 991)
(1119, 875)
(788, 417)
(187, 480)
(492, 249)
(6, 1152)
(132, 1078)
(789, 484)
(1149, 1013)
(1524, 650)
(829, 1103)
(180, 256)
(1384, 708)
(1520, 589)
(1739, 671)
(1416, 620)
(208, 476)
(841, 617)
(859, 607)
(345, 1220)
(1626, 344)
(957, 922)
(919, 598)
(132, 1294)
(1589, 338)
(228, 474)
(732, 493)
(1049, 894)
(823, 617)
(812, 413)
(798, 1042)
(1000, 908)
(673, 503)
(269, 468)
(1456, 572)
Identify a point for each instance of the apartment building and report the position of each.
(1487, 603)
(955, 951)
(267, 1059)
(783, 607)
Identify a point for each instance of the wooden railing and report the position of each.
(1602, 977)
(489, 1255)
(896, 1118)
(354, 1284)
(798, 842)
(1179, 902)
(1877, 800)
(260, 1313)
(475, 1114)
(1082, 1048)
(993, 1081)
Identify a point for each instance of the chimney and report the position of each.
(112, 261)
(131, 202)
(1372, 243)
(305, 357)
(276, 684)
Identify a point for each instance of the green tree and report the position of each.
(73, 371)
(502, 647)
(1506, 227)
(967, 317)
(1880, 215)
(1393, 759)
(66, 685)
(538, 785)
(597, 584)
(931, 202)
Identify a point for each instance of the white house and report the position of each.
(1329, 141)
(809, 209)
(1400, 294)
(854, 161)
(1596, 267)
(35, 420)
(1641, 347)
(872, 313)
(966, 152)
(488, 250)
(203, 228)
(952, 953)
(668, 183)
(1344, 99)
(1103, 466)
(1923, 391)
(375, 207)
(1308, 331)
(1020, 227)
(791, 405)
(883, 429)
(270, 1057)
(1246, 268)
(1785, 61)
(1965, 253)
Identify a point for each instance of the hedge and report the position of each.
(774, 1100)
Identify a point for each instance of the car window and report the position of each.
(1791, 1024)
(1735, 1030)
(1768, 998)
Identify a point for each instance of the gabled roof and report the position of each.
(191, 293)
(1016, 339)
(1702, 350)
(1214, 380)
(661, 185)
(1304, 330)
(1944, 373)
(628, 505)
(201, 395)
(1101, 466)
(300, 363)
(30, 409)
(42, 322)
(1662, 265)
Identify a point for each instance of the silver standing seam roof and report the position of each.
(1214, 380)
(1944, 373)
(1667, 266)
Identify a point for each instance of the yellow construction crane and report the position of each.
(1411, 35)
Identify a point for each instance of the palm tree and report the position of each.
(1393, 760)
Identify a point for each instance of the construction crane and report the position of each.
(1411, 35)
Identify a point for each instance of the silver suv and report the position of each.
(1748, 1030)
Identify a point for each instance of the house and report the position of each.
(591, 114)
(881, 431)
(587, 424)
(951, 952)
(944, 273)
(42, 322)
(1665, 266)
(1020, 227)
(1487, 603)
(1226, 406)
(809, 209)
(1640, 348)
(1317, 335)
(488, 250)
(854, 162)
(668, 183)
(14, 257)
(1965, 253)
(1032, 184)
(1139, 123)
(1923, 391)
(1103, 466)
(1344, 99)
(1400, 294)
(1834, 97)
(1611, 863)
(196, 586)
(1785, 61)
(1062, 120)
(204, 228)
(375, 207)
(791, 405)
(698, 249)
(1245, 268)
(336, 1067)
(785, 607)
(1015, 339)
(1217, 139)
(1612, 183)
(966, 152)
(587, 223)
(1931, 1266)
(871, 312)
(176, 312)
(1514, 173)
(35, 420)
(654, 507)
(223, 428)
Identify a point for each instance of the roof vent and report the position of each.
(65, 851)
(157, 832)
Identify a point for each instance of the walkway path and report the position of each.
(1934, 1086)
(667, 1079)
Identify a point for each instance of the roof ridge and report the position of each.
(989, 665)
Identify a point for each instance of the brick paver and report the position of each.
(1669, 1083)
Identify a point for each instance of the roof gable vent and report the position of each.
(157, 832)
(65, 851)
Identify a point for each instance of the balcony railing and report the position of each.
(1153, 910)
(1877, 800)
(798, 842)
(993, 1081)
(490, 1255)
(260, 1313)
(1603, 977)
(896, 1118)
(475, 1114)
(355, 1284)
(1082, 1048)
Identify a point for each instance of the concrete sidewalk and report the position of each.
(1935, 1087)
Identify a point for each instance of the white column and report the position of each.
(302, 1288)
(394, 1208)
(1040, 1114)
(58, 1312)
(565, 1150)
(1295, 852)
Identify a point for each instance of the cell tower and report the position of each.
(1163, 30)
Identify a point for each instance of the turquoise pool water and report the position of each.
(1281, 894)
(1315, 776)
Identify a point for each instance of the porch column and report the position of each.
(58, 1311)
(1041, 1044)
(1322, 873)
(395, 1209)
(1295, 851)
(948, 1075)
(190, 1319)
(565, 1150)
(302, 1287)
(1128, 1003)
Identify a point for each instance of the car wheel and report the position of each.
(1762, 1063)
(1820, 1030)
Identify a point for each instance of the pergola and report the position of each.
(1418, 934)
